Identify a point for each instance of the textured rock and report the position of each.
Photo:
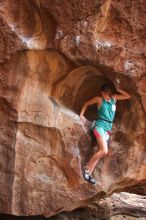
(122, 204)
(142, 90)
(9, 42)
(110, 33)
(32, 24)
(119, 206)
(43, 143)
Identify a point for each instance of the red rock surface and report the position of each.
(119, 206)
(71, 48)
(9, 42)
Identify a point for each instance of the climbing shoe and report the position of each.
(87, 176)
(92, 180)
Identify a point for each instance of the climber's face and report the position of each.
(107, 93)
(106, 90)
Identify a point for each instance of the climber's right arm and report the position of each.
(96, 100)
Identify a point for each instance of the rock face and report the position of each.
(119, 206)
(54, 56)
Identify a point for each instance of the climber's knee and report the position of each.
(103, 147)
(102, 153)
(105, 152)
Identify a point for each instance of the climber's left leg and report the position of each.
(102, 143)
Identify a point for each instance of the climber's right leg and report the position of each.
(101, 137)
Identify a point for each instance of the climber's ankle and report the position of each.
(88, 169)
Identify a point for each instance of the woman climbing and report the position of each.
(106, 104)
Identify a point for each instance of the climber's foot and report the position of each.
(92, 180)
(87, 176)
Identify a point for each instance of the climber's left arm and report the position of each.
(123, 94)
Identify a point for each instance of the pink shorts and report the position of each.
(101, 133)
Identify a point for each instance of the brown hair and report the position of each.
(106, 88)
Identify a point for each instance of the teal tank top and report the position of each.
(106, 112)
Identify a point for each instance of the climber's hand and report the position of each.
(117, 84)
(118, 87)
(83, 119)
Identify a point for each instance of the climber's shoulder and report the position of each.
(114, 96)
(98, 100)
(95, 100)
